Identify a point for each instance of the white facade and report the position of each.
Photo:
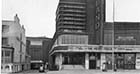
(14, 35)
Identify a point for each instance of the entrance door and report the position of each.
(120, 63)
(66, 60)
(92, 64)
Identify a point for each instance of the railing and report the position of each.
(78, 11)
(75, 23)
(80, 3)
(70, 6)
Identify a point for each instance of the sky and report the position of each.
(38, 16)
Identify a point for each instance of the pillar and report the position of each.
(86, 61)
(58, 61)
(103, 59)
(137, 66)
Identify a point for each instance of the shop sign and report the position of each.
(92, 58)
(80, 48)
(99, 48)
(125, 38)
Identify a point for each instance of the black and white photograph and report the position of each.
(70, 37)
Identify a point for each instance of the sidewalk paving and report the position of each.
(82, 72)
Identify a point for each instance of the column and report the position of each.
(86, 61)
(137, 61)
(103, 59)
(60, 61)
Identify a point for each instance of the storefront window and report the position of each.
(74, 59)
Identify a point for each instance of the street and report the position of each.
(81, 72)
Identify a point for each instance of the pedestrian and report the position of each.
(104, 67)
(41, 68)
(115, 67)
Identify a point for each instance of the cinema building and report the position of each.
(83, 40)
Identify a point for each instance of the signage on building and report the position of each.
(125, 38)
(83, 48)
(92, 57)
(102, 48)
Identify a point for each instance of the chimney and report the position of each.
(16, 19)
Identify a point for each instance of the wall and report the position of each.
(15, 30)
(38, 48)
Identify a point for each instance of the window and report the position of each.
(4, 41)
(108, 37)
(74, 39)
(2, 53)
(36, 42)
(1, 67)
(7, 53)
(5, 28)
(6, 67)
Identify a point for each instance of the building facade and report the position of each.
(38, 48)
(127, 43)
(83, 40)
(14, 56)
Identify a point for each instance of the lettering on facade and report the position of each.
(125, 38)
(92, 58)
(98, 48)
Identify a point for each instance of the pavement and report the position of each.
(81, 72)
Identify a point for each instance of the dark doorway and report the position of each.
(22, 67)
(73, 59)
(120, 64)
(66, 60)
(119, 60)
(92, 64)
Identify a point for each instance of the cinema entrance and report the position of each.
(94, 60)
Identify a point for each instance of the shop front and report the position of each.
(73, 59)
(77, 60)
(94, 60)
(69, 60)
(92, 57)
(122, 60)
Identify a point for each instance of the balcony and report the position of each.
(72, 27)
(71, 6)
(76, 3)
(75, 19)
(76, 11)
(72, 23)
(76, 15)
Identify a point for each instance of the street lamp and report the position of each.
(113, 64)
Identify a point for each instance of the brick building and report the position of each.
(38, 48)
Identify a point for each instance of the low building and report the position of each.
(38, 48)
(14, 56)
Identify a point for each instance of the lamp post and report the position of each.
(113, 58)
